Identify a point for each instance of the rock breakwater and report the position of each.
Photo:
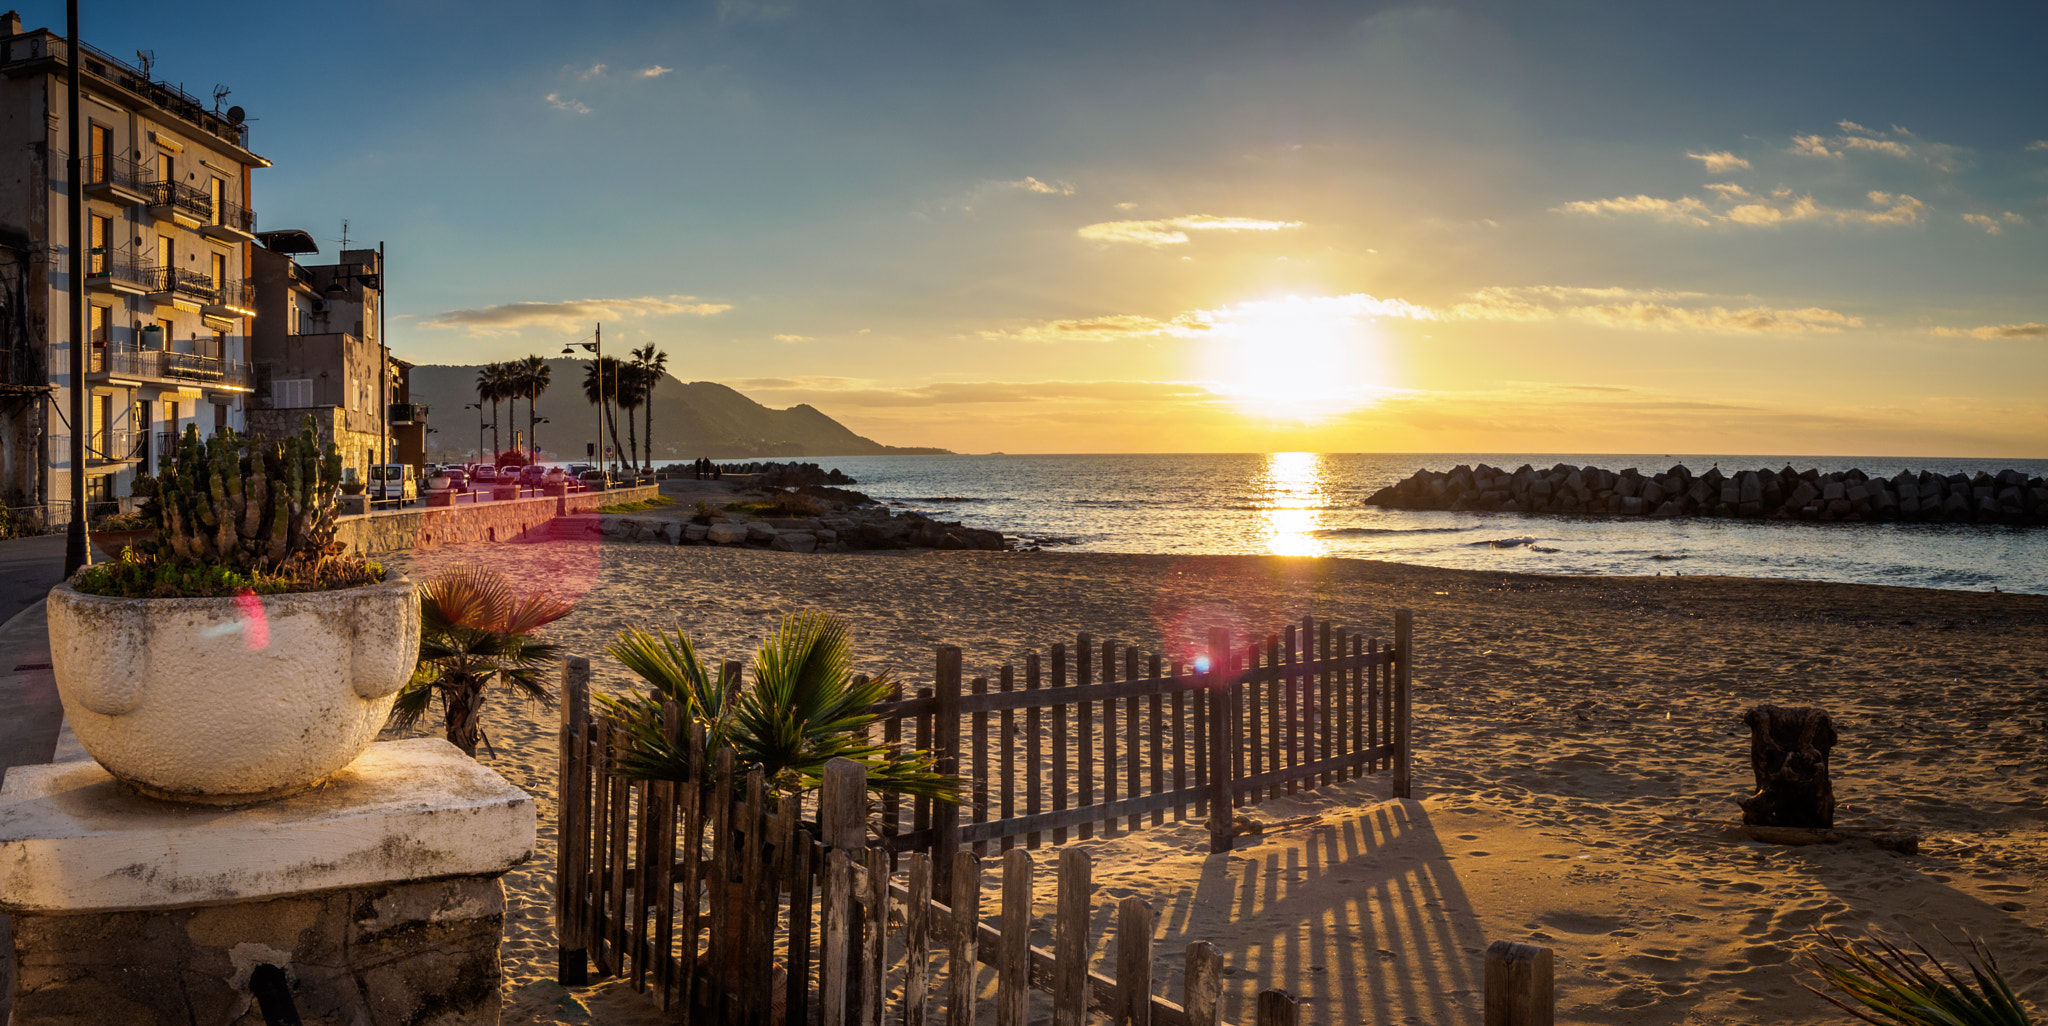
(2007, 497)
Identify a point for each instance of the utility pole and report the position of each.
(76, 551)
(383, 381)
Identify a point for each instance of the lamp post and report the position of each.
(596, 349)
(534, 442)
(479, 408)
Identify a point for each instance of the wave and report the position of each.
(1669, 555)
(1506, 543)
(1364, 532)
(1543, 548)
(943, 498)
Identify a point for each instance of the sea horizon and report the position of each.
(1312, 504)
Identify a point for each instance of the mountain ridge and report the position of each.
(691, 419)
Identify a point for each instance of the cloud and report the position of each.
(1995, 331)
(2037, 146)
(1994, 225)
(1173, 231)
(1756, 212)
(1887, 146)
(794, 338)
(1812, 146)
(854, 392)
(1720, 163)
(1752, 320)
(1030, 184)
(586, 74)
(559, 102)
(653, 71)
(1127, 205)
(509, 318)
(1110, 328)
(1683, 210)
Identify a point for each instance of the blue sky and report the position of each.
(1566, 227)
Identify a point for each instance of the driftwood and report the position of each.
(1788, 752)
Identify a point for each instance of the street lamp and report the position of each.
(534, 442)
(596, 349)
(479, 408)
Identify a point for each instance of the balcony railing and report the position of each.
(230, 221)
(120, 274)
(162, 366)
(119, 179)
(184, 203)
(115, 445)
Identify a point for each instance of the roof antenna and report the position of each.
(344, 234)
(220, 92)
(146, 59)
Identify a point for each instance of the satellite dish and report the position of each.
(235, 115)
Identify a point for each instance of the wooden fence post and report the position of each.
(946, 746)
(842, 819)
(1278, 1008)
(1013, 954)
(572, 826)
(1133, 962)
(1519, 989)
(1202, 985)
(965, 955)
(1070, 941)
(1218, 696)
(1404, 649)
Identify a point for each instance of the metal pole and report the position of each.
(384, 384)
(76, 551)
(600, 390)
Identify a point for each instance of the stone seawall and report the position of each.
(2007, 497)
(411, 530)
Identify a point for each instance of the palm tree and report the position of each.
(631, 392)
(474, 631)
(803, 709)
(601, 383)
(534, 376)
(654, 363)
(491, 386)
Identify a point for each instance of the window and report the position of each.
(164, 328)
(101, 254)
(99, 146)
(220, 417)
(220, 345)
(166, 257)
(220, 269)
(171, 421)
(100, 317)
(166, 169)
(215, 191)
(102, 416)
(291, 393)
(355, 395)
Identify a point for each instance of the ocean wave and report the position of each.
(1669, 555)
(1506, 543)
(1543, 548)
(943, 498)
(1365, 532)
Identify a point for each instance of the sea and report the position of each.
(1313, 504)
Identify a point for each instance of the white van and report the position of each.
(393, 482)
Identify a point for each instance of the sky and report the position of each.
(1122, 227)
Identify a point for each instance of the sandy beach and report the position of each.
(1558, 721)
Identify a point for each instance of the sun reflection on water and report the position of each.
(1292, 503)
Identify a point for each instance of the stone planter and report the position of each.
(110, 543)
(229, 701)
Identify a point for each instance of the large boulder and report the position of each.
(726, 534)
(794, 541)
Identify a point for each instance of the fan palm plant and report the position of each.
(803, 709)
(475, 631)
(653, 364)
(1889, 986)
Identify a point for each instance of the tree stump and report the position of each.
(1788, 751)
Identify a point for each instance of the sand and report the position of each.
(1557, 719)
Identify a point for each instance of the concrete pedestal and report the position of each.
(377, 893)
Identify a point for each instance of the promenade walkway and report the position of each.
(30, 715)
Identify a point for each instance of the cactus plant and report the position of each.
(245, 513)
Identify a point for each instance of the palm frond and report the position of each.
(1890, 987)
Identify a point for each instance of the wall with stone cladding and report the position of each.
(412, 530)
(417, 953)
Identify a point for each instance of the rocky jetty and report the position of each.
(788, 475)
(2007, 497)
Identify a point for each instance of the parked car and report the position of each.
(533, 476)
(458, 478)
(393, 481)
(580, 469)
(483, 474)
(594, 480)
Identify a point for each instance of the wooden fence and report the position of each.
(1244, 723)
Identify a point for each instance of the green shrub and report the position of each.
(1889, 986)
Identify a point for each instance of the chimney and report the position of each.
(10, 23)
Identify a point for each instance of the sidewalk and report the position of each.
(30, 716)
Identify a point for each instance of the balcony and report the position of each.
(227, 298)
(116, 445)
(181, 203)
(171, 368)
(113, 273)
(231, 223)
(406, 413)
(118, 180)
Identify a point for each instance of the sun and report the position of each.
(1294, 359)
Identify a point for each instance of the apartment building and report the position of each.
(315, 350)
(168, 236)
